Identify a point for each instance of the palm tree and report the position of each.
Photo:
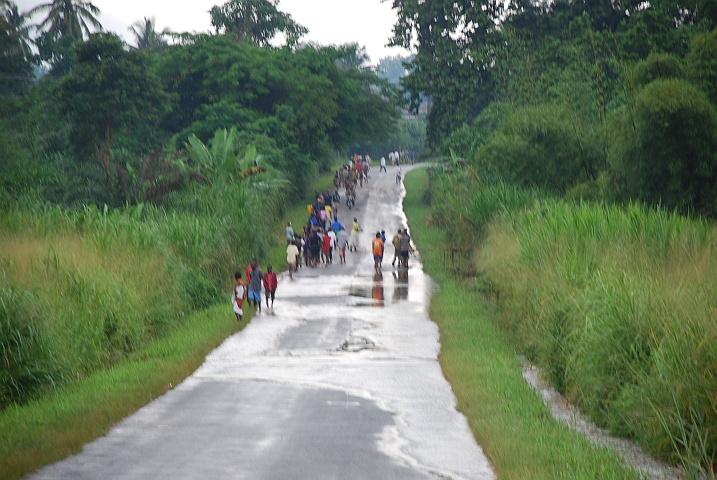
(18, 26)
(145, 34)
(68, 18)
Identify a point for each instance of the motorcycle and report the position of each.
(350, 201)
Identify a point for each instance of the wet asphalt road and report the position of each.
(340, 380)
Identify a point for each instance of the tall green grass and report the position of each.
(126, 282)
(82, 289)
(58, 424)
(615, 303)
(508, 418)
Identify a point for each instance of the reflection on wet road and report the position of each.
(341, 380)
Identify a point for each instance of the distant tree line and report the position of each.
(109, 123)
(602, 100)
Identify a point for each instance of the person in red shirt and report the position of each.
(270, 284)
(377, 247)
(326, 249)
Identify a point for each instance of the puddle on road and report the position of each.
(327, 334)
(322, 333)
(318, 300)
(377, 287)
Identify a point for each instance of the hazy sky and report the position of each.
(367, 22)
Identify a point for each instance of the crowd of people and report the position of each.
(314, 245)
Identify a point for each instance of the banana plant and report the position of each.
(220, 159)
(220, 156)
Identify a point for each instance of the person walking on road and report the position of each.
(383, 165)
(326, 245)
(342, 241)
(396, 241)
(314, 247)
(270, 284)
(292, 254)
(247, 273)
(336, 200)
(383, 248)
(239, 295)
(405, 248)
(255, 278)
(289, 232)
(377, 247)
(353, 243)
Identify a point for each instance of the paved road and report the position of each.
(341, 380)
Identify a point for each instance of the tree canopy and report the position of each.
(109, 89)
(258, 21)
(107, 108)
(610, 98)
(71, 18)
(146, 35)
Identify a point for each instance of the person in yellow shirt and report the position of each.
(377, 247)
(353, 242)
(327, 208)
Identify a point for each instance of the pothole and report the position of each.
(356, 344)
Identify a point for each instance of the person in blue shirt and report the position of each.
(383, 239)
(336, 226)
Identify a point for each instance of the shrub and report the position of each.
(664, 150)
(657, 66)
(538, 147)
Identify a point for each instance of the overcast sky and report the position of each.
(367, 22)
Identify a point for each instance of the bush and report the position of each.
(664, 149)
(538, 147)
(657, 66)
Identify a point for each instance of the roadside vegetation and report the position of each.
(134, 181)
(614, 304)
(58, 424)
(109, 318)
(508, 418)
(575, 187)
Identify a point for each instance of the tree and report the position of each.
(702, 63)
(68, 18)
(145, 34)
(450, 65)
(665, 149)
(19, 28)
(109, 89)
(393, 68)
(15, 60)
(537, 147)
(308, 97)
(256, 20)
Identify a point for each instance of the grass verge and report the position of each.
(59, 424)
(508, 419)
